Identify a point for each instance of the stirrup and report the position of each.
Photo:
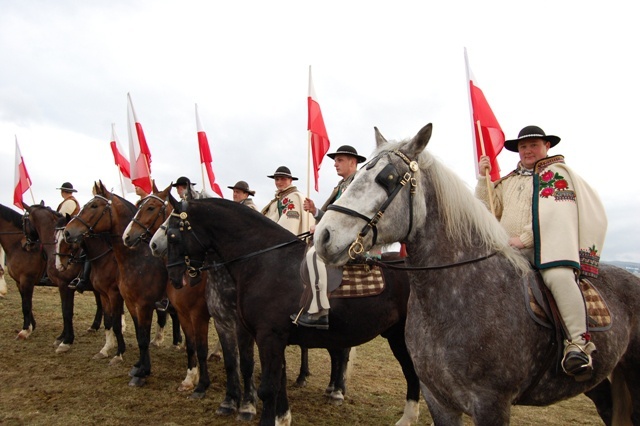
(162, 305)
(74, 283)
(577, 361)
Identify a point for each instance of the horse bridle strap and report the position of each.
(147, 229)
(390, 265)
(357, 247)
(106, 208)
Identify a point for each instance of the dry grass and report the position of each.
(38, 387)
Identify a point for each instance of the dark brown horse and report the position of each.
(142, 277)
(264, 261)
(189, 302)
(25, 267)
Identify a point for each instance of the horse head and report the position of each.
(95, 216)
(380, 206)
(152, 212)
(66, 253)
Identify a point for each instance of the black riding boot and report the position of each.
(80, 283)
(162, 305)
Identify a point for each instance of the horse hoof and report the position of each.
(177, 347)
(100, 355)
(62, 348)
(184, 387)
(336, 398)
(197, 395)
(23, 335)
(225, 411)
(57, 343)
(245, 417)
(301, 383)
(92, 330)
(134, 371)
(137, 382)
(116, 360)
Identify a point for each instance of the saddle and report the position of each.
(540, 304)
(348, 281)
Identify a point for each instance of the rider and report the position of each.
(346, 161)
(538, 205)
(286, 207)
(70, 206)
(241, 194)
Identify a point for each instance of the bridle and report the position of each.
(147, 234)
(90, 228)
(392, 182)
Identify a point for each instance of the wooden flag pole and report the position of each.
(121, 183)
(31, 192)
(309, 170)
(202, 172)
(486, 175)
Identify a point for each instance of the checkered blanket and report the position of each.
(359, 281)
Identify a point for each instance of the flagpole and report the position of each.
(204, 185)
(486, 172)
(31, 192)
(120, 176)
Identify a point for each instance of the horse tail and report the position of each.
(621, 398)
(350, 364)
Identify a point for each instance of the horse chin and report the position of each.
(177, 283)
(330, 257)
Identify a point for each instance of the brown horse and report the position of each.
(142, 277)
(25, 267)
(189, 302)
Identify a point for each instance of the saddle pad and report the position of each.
(360, 280)
(597, 309)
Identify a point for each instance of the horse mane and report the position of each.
(11, 216)
(132, 208)
(462, 211)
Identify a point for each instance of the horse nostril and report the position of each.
(153, 246)
(325, 237)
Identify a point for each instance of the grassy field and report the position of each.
(39, 387)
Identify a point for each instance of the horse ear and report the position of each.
(174, 203)
(25, 206)
(419, 142)
(155, 188)
(380, 140)
(42, 203)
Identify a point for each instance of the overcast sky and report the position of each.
(66, 67)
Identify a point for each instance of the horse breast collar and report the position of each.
(392, 183)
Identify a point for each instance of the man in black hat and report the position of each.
(185, 189)
(241, 193)
(345, 160)
(286, 206)
(539, 204)
(69, 204)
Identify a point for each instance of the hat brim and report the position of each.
(512, 144)
(68, 190)
(280, 175)
(359, 158)
(248, 191)
(175, 185)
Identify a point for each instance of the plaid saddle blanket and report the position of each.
(597, 310)
(359, 280)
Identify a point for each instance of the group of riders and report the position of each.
(536, 203)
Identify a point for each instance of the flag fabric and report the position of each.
(139, 154)
(205, 155)
(120, 160)
(492, 134)
(22, 179)
(317, 131)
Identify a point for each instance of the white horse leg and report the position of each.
(109, 343)
(116, 360)
(411, 412)
(24, 334)
(158, 340)
(124, 324)
(284, 420)
(189, 382)
(3, 284)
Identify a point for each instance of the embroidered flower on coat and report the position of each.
(551, 183)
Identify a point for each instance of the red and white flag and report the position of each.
(139, 154)
(482, 117)
(318, 138)
(205, 155)
(22, 180)
(120, 160)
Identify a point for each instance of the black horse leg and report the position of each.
(202, 352)
(28, 320)
(230, 357)
(175, 322)
(99, 313)
(601, 397)
(67, 337)
(143, 333)
(247, 364)
(301, 381)
(337, 386)
(117, 330)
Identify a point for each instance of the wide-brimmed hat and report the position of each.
(283, 171)
(183, 181)
(531, 132)
(242, 186)
(347, 150)
(67, 187)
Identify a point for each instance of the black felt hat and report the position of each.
(347, 150)
(67, 187)
(242, 186)
(283, 171)
(183, 181)
(531, 132)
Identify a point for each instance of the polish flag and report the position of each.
(205, 155)
(318, 138)
(22, 180)
(120, 160)
(482, 118)
(139, 154)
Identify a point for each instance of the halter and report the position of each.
(107, 208)
(392, 182)
(146, 235)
